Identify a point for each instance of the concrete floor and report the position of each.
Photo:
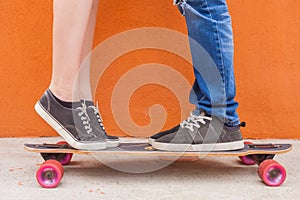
(86, 178)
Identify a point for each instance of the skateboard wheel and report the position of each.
(50, 174)
(247, 160)
(62, 142)
(65, 158)
(271, 172)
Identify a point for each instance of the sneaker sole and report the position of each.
(199, 147)
(151, 141)
(65, 134)
(112, 143)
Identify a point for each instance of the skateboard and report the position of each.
(51, 171)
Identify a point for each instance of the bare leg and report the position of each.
(79, 123)
(73, 32)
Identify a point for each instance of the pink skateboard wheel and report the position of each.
(50, 174)
(247, 160)
(67, 157)
(272, 173)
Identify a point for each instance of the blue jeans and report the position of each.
(211, 43)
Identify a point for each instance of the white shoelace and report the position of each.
(97, 113)
(85, 117)
(194, 121)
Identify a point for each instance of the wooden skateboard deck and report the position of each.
(144, 149)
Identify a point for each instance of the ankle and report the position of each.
(63, 95)
(67, 104)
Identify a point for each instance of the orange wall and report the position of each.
(267, 64)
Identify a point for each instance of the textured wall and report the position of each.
(266, 65)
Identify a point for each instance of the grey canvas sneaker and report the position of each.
(201, 133)
(73, 124)
(163, 133)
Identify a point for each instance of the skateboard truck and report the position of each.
(259, 158)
